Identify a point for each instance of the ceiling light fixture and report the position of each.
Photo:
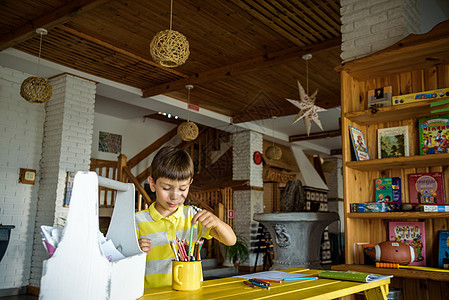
(274, 152)
(170, 48)
(36, 89)
(188, 131)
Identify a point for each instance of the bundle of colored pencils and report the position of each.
(184, 251)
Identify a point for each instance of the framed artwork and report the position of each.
(358, 143)
(109, 142)
(393, 142)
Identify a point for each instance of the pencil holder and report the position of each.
(187, 275)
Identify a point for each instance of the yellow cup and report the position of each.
(186, 275)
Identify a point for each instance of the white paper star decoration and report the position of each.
(308, 109)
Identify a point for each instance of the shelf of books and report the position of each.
(395, 138)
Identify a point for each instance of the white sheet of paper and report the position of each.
(272, 275)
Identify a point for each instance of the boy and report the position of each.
(168, 218)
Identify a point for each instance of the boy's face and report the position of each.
(170, 194)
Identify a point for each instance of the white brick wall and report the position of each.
(66, 147)
(21, 134)
(245, 143)
(247, 202)
(370, 26)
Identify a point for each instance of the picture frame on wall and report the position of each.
(393, 142)
(358, 142)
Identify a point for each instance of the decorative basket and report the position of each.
(274, 152)
(188, 131)
(36, 90)
(169, 48)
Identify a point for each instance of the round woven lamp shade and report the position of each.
(169, 48)
(274, 152)
(188, 131)
(36, 90)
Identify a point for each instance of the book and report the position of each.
(375, 207)
(426, 188)
(388, 189)
(380, 97)
(413, 234)
(352, 276)
(443, 247)
(358, 143)
(392, 142)
(433, 135)
(432, 208)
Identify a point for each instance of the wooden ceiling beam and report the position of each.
(241, 67)
(47, 20)
(120, 50)
(314, 136)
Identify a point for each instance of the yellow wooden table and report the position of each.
(233, 288)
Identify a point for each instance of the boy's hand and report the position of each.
(145, 245)
(206, 218)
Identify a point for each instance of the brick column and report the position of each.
(370, 26)
(67, 144)
(250, 201)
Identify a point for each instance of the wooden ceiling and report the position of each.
(245, 55)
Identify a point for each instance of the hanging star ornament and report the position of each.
(308, 109)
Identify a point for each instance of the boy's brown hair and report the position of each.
(172, 163)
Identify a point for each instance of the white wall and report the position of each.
(137, 134)
(21, 134)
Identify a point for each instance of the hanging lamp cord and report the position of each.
(188, 103)
(307, 76)
(39, 57)
(171, 13)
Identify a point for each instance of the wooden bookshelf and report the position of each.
(417, 65)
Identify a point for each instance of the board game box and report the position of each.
(433, 135)
(421, 96)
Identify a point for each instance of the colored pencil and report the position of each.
(249, 284)
(191, 240)
(300, 278)
(261, 285)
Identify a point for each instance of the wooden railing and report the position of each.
(220, 201)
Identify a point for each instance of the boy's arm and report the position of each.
(220, 230)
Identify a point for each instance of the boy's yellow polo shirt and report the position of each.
(150, 224)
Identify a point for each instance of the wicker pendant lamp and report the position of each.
(170, 48)
(36, 89)
(274, 152)
(188, 131)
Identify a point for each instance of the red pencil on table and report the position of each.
(249, 284)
